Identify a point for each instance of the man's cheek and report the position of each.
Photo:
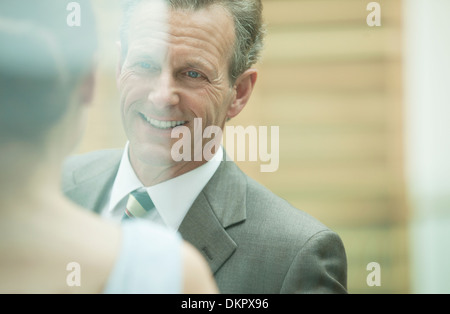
(133, 92)
(212, 95)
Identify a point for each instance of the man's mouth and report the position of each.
(162, 125)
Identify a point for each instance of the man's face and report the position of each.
(176, 70)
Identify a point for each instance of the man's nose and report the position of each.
(163, 92)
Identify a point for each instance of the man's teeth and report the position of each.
(164, 124)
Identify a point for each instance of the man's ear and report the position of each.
(88, 87)
(243, 89)
(119, 61)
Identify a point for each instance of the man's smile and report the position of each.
(160, 124)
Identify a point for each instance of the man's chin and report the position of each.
(151, 155)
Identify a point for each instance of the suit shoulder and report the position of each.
(272, 210)
(74, 162)
(92, 164)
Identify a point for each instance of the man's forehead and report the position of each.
(156, 19)
(148, 18)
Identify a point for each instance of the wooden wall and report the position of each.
(333, 86)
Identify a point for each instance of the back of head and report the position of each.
(42, 59)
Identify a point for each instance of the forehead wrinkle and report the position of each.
(193, 29)
(154, 48)
(148, 20)
(180, 37)
(148, 32)
(210, 47)
(200, 49)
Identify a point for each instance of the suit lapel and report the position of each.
(220, 205)
(202, 229)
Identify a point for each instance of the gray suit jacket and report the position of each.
(254, 241)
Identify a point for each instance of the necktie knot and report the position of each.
(138, 205)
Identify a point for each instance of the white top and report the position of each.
(149, 261)
(172, 198)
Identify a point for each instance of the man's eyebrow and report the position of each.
(142, 56)
(202, 64)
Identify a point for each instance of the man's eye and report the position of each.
(145, 65)
(193, 74)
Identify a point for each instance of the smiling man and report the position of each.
(182, 61)
(176, 68)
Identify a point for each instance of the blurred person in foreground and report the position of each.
(198, 65)
(46, 82)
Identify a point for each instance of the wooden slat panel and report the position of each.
(385, 244)
(325, 143)
(341, 44)
(324, 109)
(319, 12)
(322, 78)
(349, 212)
(335, 149)
(357, 177)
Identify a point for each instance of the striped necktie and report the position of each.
(138, 205)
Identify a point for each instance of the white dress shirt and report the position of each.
(172, 198)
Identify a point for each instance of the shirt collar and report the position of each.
(126, 181)
(172, 198)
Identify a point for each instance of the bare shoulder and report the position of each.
(96, 246)
(73, 252)
(197, 276)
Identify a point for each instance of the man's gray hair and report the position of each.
(248, 22)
